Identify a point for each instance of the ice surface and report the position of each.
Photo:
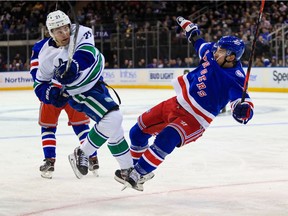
(231, 170)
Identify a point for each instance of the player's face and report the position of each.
(62, 35)
(220, 55)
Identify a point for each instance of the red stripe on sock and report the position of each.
(136, 154)
(49, 142)
(151, 159)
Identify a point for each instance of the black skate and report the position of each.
(79, 163)
(94, 165)
(47, 168)
(123, 177)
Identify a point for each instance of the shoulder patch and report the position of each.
(239, 73)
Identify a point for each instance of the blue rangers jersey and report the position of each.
(91, 61)
(206, 90)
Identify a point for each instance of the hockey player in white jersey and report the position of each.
(89, 94)
(52, 103)
(200, 96)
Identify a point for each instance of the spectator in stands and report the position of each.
(115, 61)
(179, 63)
(258, 62)
(2, 63)
(143, 16)
(125, 63)
(153, 64)
(261, 47)
(141, 63)
(160, 63)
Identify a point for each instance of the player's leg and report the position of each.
(80, 124)
(148, 124)
(98, 105)
(182, 129)
(48, 120)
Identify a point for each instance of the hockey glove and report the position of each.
(242, 112)
(190, 28)
(55, 96)
(69, 76)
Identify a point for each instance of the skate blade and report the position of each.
(72, 162)
(146, 178)
(120, 180)
(138, 187)
(95, 173)
(126, 185)
(47, 174)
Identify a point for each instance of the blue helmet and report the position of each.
(233, 45)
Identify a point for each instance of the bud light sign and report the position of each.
(165, 76)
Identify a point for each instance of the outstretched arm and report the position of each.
(192, 32)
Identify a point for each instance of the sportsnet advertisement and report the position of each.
(261, 79)
(268, 79)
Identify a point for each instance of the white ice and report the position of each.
(231, 170)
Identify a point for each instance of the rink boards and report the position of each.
(262, 79)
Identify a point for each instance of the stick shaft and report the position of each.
(252, 52)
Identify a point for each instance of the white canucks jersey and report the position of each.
(91, 61)
(41, 64)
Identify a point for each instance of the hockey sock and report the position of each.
(163, 145)
(96, 138)
(49, 142)
(139, 142)
(120, 150)
(81, 131)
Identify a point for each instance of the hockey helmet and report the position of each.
(56, 19)
(233, 45)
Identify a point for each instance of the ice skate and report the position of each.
(79, 163)
(132, 181)
(47, 168)
(122, 176)
(94, 165)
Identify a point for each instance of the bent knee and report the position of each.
(110, 123)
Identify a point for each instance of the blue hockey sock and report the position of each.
(48, 142)
(139, 142)
(163, 145)
(81, 131)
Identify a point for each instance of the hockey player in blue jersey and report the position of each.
(200, 96)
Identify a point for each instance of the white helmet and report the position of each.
(56, 19)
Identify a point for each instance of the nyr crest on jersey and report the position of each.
(238, 73)
(237, 42)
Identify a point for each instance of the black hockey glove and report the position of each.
(69, 76)
(242, 112)
(55, 96)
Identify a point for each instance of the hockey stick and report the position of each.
(252, 52)
(72, 43)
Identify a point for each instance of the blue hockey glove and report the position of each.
(242, 112)
(190, 28)
(55, 96)
(66, 77)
